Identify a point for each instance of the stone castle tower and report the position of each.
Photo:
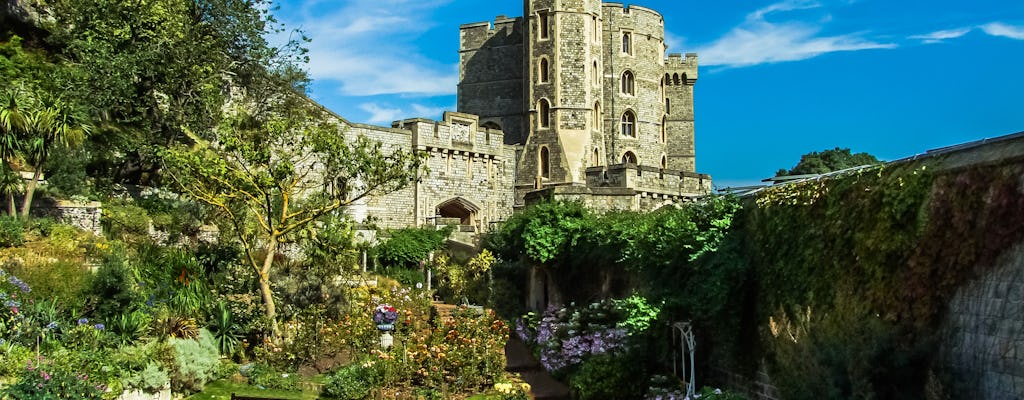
(587, 92)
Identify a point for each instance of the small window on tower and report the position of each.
(629, 124)
(543, 70)
(544, 164)
(627, 43)
(544, 110)
(542, 25)
(627, 83)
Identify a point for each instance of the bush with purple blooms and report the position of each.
(44, 381)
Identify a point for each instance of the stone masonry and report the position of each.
(581, 84)
(576, 100)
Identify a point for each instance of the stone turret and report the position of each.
(680, 76)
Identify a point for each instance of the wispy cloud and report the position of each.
(760, 41)
(943, 35)
(1004, 30)
(367, 47)
(385, 114)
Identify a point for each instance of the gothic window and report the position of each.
(597, 157)
(627, 83)
(664, 162)
(627, 43)
(544, 113)
(668, 79)
(543, 70)
(597, 74)
(597, 116)
(544, 163)
(675, 79)
(597, 29)
(629, 158)
(543, 25)
(629, 124)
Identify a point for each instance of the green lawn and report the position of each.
(221, 390)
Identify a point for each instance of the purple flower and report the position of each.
(19, 283)
(83, 321)
(52, 325)
(99, 327)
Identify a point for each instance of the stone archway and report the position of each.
(460, 208)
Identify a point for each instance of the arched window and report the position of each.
(627, 83)
(675, 79)
(596, 161)
(627, 43)
(629, 124)
(664, 129)
(544, 163)
(668, 106)
(542, 25)
(664, 162)
(629, 158)
(544, 113)
(597, 116)
(597, 74)
(668, 79)
(543, 73)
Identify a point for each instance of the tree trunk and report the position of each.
(266, 292)
(10, 205)
(30, 190)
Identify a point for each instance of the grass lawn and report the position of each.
(221, 390)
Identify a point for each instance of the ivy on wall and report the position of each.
(854, 272)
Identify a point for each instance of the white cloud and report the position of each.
(380, 114)
(940, 36)
(367, 47)
(1004, 30)
(758, 41)
(385, 114)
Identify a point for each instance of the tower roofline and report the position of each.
(631, 8)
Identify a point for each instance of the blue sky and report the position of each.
(778, 78)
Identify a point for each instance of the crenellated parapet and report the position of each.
(680, 69)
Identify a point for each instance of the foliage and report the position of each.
(129, 327)
(224, 330)
(827, 161)
(113, 289)
(43, 381)
(195, 362)
(125, 221)
(269, 200)
(468, 282)
(639, 314)
(151, 379)
(262, 375)
(406, 248)
(12, 232)
(406, 276)
(352, 382)
(608, 376)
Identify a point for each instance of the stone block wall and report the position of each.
(84, 216)
(491, 75)
(983, 339)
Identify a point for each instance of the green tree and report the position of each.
(51, 123)
(12, 123)
(405, 248)
(273, 172)
(828, 161)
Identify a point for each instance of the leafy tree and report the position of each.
(407, 247)
(51, 123)
(271, 173)
(828, 161)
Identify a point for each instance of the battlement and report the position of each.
(680, 65)
(475, 35)
(643, 178)
(456, 131)
(633, 10)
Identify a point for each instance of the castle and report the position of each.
(576, 100)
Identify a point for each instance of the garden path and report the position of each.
(542, 385)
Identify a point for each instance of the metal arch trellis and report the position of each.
(687, 343)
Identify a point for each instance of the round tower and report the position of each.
(563, 91)
(634, 88)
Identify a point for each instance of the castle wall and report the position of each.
(680, 76)
(645, 61)
(491, 75)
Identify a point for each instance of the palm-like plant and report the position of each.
(12, 126)
(52, 123)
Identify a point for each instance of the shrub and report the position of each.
(607, 376)
(12, 232)
(352, 382)
(407, 247)
(265, 376)
(125, 221)
(74, 280)
(405, 276)
(41, 381)
(151, 379)
(195, 362)
(113, 289)
(13, 358)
